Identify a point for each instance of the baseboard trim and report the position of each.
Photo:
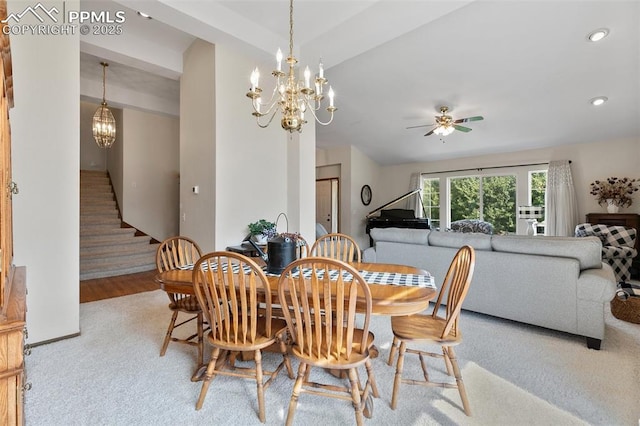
(57, 339)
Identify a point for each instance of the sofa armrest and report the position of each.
(369, 255)
(598, 285)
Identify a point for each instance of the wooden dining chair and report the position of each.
(337, 246)
(227, 286)
(302, 248)
(179, 253)
(435, 329)
(322, 294)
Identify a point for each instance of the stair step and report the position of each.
(116, 263)
(100, 219)
(106, 248)
(102, 203)
(115, 271)
(91, 231)
(111, 253)
(99, 211)
(99, 195)
(95, 241)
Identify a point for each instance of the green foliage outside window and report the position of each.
(499, 202)
(488, 198)
(538, 181)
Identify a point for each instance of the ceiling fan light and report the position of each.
(443, 130)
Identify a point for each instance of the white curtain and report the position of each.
(561, 215)
(414, 202)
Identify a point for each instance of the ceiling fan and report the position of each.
(445, 124)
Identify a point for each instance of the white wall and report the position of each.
(356, 170)
(151, 172)
(197, 144)
(251, 163)
(46, 157)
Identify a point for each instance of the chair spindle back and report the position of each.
(227, 286)
(322, 294)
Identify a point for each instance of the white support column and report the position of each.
(301, 178)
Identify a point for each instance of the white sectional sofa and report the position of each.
(559, 283)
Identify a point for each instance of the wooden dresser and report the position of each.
(12, 280)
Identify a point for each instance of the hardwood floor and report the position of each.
(123, 285)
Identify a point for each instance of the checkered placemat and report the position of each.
(387, 278)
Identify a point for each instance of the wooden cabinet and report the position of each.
(630, 220)
(12, 335)
(12, 280)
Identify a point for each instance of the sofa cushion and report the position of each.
(400, 235)
(586, 250)
(459, 239)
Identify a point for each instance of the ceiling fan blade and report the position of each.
(461, 128)
(431, 132)
(422, 125)
(466, 120)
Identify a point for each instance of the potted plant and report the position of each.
(262, 230)
(614, 192)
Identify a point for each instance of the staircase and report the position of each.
(108, 247)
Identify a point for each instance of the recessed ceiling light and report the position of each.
(598, 101)
(597, 35)
(144, 15)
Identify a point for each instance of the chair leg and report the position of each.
(447, 361)
(355, 396)
(209, 376)
(200, 339)
(461, 389)
(398, 378)
(372, 379)
(285, 355)
(260, 385)
(293, 403)
(392, 351)
(167, 337)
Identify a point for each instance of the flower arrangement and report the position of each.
(619, 191)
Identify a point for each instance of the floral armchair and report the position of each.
(618, 244)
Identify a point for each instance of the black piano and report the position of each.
(395, 218)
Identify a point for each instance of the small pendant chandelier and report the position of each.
(104, 125)
(291, 96)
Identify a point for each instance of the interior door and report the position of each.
(327, 204)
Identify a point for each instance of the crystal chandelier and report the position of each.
(292, 96)
(104, 125)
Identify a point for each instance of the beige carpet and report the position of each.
(515, 374)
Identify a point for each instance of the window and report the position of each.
(488, 198)
(486, 195)
(431, 200)
(537, 189)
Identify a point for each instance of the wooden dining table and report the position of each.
(386, 299)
